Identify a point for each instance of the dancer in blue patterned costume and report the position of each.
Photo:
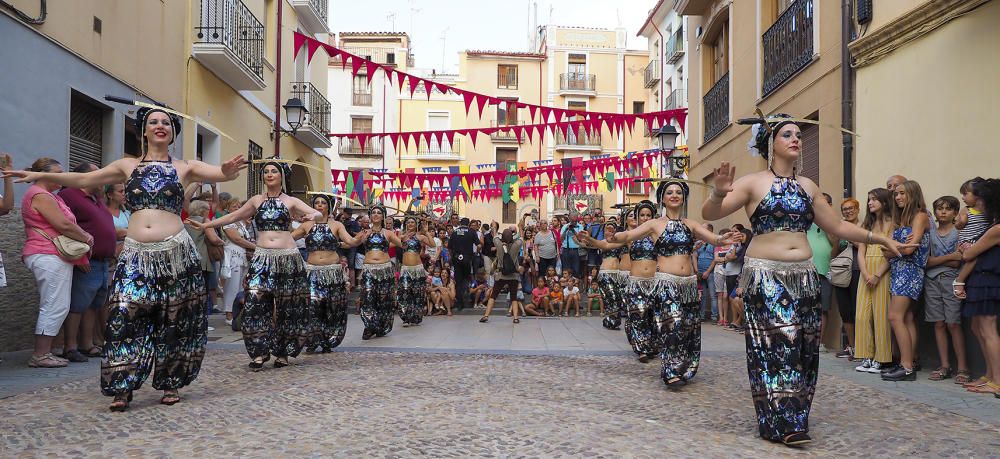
(670, 315)
(325, 275)
(412, 291)
(378, 281)
(156, 307)
(906, 281)
(276, 317)
(611, 280)
(779, 281)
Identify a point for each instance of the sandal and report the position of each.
(121, 402)
(257, 364)
(940, 373)
(796, 439)
(46, 361)
(280, 362)
(170, 397)
(982, 380)
(963, 377)
(484, 319)
(517, 321)
(988, 388)
(94, 351)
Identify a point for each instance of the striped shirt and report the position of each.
(975, 227)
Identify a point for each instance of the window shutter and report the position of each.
(86, 132)
(810, 152)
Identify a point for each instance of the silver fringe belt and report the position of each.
(327, 274)
(615, 275)
(379, 271)
(413, 272)
(799, 278)
(168, 257)
(278, 260)
(681, 288)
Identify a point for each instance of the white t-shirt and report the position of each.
(299, 243)
(434, 251)
(571, 291)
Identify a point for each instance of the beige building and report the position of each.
(783, 56)
(574, 68)
(217, 60)
(926, 96)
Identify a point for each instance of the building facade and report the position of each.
(665, 76)
(216, 60)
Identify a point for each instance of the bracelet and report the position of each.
(957, 284)
(869, 237)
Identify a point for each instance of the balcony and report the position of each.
(675, 47)
(578, 140)
(788, 45)
(437, 151)
(652, 73)
(361, 99)
(578, 84)
(317, 124)
(229, 42)
(352, 148)
(717, 108)
(503, 137)
(384, 56)
(312, 14)
(677, 99)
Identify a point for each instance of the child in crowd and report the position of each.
(479, 289)
(593, 292)
(539, 304)
(571, 293)
(720, 280)
(943, 308)
(555, 296)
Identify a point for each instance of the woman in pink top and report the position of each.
(44, 212)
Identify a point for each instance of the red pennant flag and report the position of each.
(481, 102)
(518, 132)
(531, 111)
(394, 138)
(428, 85)
(467, 98)
(414, 81)
(356, 65)
(444, 89)
(297, 40)
(361, 140)
(681, 120)
(370, 68)
(450, 136)
(472, 136)
(313, 46)
(426, 136)
(401, 77)
(630, 121)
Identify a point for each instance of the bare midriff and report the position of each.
(411, 259)
(376, 257)
(643, 268)
(323, 258)
(780, 246)
(678, 265)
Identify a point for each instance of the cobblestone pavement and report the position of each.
(399, 404)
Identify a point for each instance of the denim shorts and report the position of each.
(90, 290)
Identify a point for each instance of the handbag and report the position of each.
(69, 249)
(841, 267)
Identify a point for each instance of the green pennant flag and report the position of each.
(349, 186)
(609, 179)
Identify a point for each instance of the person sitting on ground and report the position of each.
(539, 304)
(594, 293)
(479, 289)
(571, 294)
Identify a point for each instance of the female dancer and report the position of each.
(412, 275)
(276, 315)
(779, 281)
(325, 274)
(157, 303)
(671, 317)
(377, 277)
(909, 214)
(611, 280)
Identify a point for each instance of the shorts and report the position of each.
(90, 290)
(825, 293)
(719, 284)
(731, 282)
(505, 284)
(941, 304)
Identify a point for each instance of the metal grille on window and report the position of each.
(254, 151)
(86, 132)
(810, 151)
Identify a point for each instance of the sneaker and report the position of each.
(890, 367)
(865, 365)
(875, 367)
(229, 321)
(900, 374)
(75, 356)
(211, 328)
(846, 353)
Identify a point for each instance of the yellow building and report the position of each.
(926, 96)
(573, 68)
(783, 56)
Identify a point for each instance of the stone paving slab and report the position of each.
(379, 404)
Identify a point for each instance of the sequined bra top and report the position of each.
(786, 207)
(377, 241)
(413, 244)
(614, 253)
(154, 185)
(676, 239)
(321, 237)
(272, 215)
(643, 249)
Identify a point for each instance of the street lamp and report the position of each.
(295, 114)
(667, 136)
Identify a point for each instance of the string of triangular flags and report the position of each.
(571, 175)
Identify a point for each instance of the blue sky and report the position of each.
(498, 25)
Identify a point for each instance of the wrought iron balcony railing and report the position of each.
(319, 108)
(500, 136)
(675, 47)
(384, 56)
(352, 147)
(677, 99)
(652, 73)
(578, 138)
(717, 108)
(230, 23)
(788, 45)
(577, 82)
(361, 99)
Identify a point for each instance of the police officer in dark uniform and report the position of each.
(460, 245)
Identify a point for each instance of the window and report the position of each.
(361, 125)
(720, 53)
(638, 107)
(507, 114)
(131, 138)
(439, 121)
(390, 58)
(506, 76)
(86, 131)
(254, 151)
(810, 150)
(577, 63)
(505, 158)
(362, 91)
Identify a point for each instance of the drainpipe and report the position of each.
(384, 89)
(277, 86)
(659, 57)
(541, 138)
(847, 93)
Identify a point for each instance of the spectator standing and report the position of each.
(847, 297)
(570, 248)
(46, 217)
(233, 270)
(509, 262)
(114, 200)
(90, 282)
(202, 239)
(704, 260)
(461, 247)
(822, 249)
(943, 308)
(6, 204)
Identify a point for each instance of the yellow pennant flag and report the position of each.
(654, 172)
(515, 191)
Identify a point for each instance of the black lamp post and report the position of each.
(667, 136)
(295, 115)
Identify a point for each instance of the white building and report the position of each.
(665, 77)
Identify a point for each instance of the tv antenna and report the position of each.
(391, 17)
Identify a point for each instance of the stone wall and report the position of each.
(19, 301)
